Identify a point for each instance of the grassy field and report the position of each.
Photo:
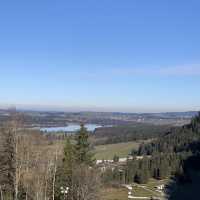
(146, 190)
(121, 149)
(149, 189)
(114, 194)
(153, 183)
(104, 151)
(122, 193)
(142, 192)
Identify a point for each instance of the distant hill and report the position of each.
(103, 118)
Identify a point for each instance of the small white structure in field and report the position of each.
(139, 157)
(129, 187)
(122, 160)
(130, 196)
(160, 187)
(64, 191)
(103, 161)
(99, 162)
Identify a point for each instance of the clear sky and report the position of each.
(131, 55)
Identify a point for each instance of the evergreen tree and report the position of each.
(64, 176)
(82, 147)
(74, 172)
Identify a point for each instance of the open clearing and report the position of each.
(120, 149)
(114, 194)
(143, 190)
(122, 193)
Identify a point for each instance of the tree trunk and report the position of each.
(54, 175)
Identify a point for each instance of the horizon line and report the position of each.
(61, 108)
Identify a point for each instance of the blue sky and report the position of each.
(133, 55)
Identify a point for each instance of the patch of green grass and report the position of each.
(122, 193)
(141, 192)
(114, 194)
(153, 183)
(120, 149)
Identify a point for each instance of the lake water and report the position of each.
(71, 128)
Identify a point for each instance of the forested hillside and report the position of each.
(174, 154)
(137, 131)
(178, 139)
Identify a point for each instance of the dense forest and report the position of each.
(137, 131)
(174, 154)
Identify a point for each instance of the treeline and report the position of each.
(139, 131)
(177, 140)
(31, 169)
(173, 154)
(139, 171)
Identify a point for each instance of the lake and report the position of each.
(71, 128)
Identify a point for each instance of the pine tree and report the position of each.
(64, 176)
(82, 147)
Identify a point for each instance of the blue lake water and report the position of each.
(71, 128)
